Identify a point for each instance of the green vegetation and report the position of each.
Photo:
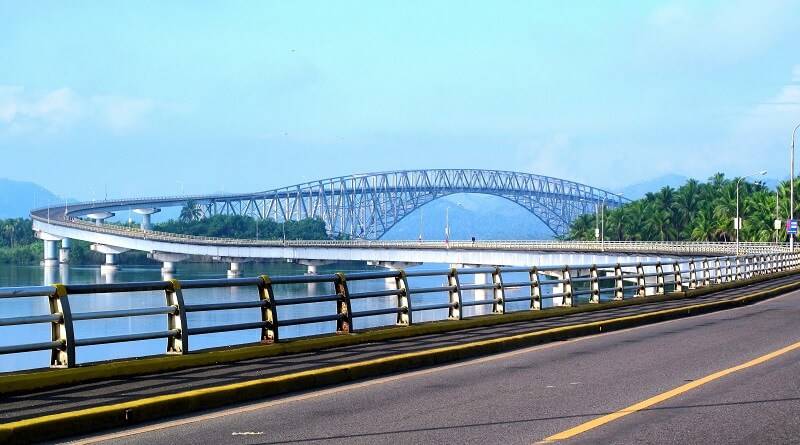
(695, 211)
(243, 227)
(19, 246)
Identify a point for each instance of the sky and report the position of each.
(163, 98)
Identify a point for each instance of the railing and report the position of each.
(673, 247)
(531, 288)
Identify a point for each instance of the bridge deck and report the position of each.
(125, 389)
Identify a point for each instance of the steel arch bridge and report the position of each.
(368, 205)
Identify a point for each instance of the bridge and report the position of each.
(366, 206)
(361, 206)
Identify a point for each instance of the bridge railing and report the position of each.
(393, 298)
(676, 247)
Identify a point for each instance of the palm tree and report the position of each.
(191, 212)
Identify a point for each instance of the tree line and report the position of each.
(697, 211)
(18, 245)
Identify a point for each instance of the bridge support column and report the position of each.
(312, 265)
(235, 263)
(168, 261)
(145, 224)
(63, 253)
(167, 267)
(99, 217)
(50, 253)
(479, 279)
(111, 253)
(110, 265)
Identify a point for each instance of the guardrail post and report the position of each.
(344, 324)
(737, 274)
(595, 284)
(62, 330)
(536, 290)
(177, 343)
(269, 314)
(404, 315)
(677, 277)
(706, 269)
(499, 305)
(660, 290)
(640, 281)
(619, 283)
(728, 272)
(717, 271)
(455, 295)
(692, 274)
(568, 300)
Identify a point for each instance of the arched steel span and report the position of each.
(368, 205)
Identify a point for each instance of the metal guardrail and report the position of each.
(667, 247)
(567, 286)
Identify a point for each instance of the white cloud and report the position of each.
(22, 111)
(50, 110)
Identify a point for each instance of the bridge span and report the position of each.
(363, 207)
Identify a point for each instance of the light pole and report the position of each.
(737, 221)
(791, 189)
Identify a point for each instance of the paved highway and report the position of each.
(118, 390)
(529, 395)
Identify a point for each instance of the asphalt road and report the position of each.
(524, 396)
(131, 388)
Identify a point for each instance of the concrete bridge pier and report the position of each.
(63, 253)
(111, 252)
(63, 270)
(146, 212)
(235, 264)
(50, 254)
(99, 217)
(312, 265)
(50, 276)
(478, 278)
(168, 261)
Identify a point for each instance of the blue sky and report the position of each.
(148, 98)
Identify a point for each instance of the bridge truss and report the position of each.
(367, 206)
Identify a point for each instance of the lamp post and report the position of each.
(791, 188)
(737, 221)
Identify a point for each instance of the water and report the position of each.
(35, 275)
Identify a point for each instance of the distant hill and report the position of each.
(17, 198)
(482, 216)
(639, 189)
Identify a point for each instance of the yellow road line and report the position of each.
(582, 428)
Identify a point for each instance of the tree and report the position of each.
(191, 212)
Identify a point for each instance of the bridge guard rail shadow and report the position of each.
(542, 288)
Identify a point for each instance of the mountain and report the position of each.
(17, 198)
(482, 216)
(639, 189)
